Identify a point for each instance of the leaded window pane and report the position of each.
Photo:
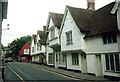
(117, 61)
(107, 62)
(112, 62)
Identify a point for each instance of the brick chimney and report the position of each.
(91, 4)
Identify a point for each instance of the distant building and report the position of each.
(24, 53)
(53, 41)
(38, 48)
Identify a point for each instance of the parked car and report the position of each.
(9, 59)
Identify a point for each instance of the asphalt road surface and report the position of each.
(24, 72)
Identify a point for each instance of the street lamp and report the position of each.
(8, 25)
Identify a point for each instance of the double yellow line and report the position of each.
(16, 74)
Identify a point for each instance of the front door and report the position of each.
(98, 65)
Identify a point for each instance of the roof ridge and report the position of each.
(54, 13)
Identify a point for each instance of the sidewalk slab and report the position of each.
(74, 74)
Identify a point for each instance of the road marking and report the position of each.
(16, 74)
(56, 73)
(25, 74)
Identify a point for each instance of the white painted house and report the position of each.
(102, 43)
(90, 40)
(33, 47)
(74, 26)
(38, 50)
(53, 25)
(86, 40)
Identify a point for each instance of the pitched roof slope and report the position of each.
(103, 21)
(43, 37)
(57, 18)
(82, 17)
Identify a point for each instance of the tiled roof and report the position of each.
(103, 21)
(43, 37)
(57, 18)
(81, 17)
(94, 22)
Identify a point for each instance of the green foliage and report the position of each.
(17, 44)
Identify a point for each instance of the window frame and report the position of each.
(26, 51)
(75, 59)
(109, 38)
(111, 62)
(52, 33)
(69, 39)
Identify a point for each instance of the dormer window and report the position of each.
(109, 38)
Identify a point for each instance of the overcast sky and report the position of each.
(27, 16)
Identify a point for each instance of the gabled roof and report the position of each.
(82, 17)
(43, 37)
(94, 22)
(57, 18)
(103, 21)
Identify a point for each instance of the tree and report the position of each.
(17, 44)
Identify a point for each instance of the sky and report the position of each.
(27, 16)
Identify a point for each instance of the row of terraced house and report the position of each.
(85, 40)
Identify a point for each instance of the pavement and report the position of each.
(74, 74)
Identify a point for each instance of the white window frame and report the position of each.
(26, 51)
(75, 58)
(108, 62)
(52, 33)
(69, 38)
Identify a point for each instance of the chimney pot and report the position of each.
(91, 4)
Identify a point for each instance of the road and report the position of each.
(26, 72)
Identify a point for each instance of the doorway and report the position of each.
(98, 65)
(84, 63)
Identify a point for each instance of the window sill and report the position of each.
(75, 65)
(110, 43)
(112, 71)
(69, 44)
